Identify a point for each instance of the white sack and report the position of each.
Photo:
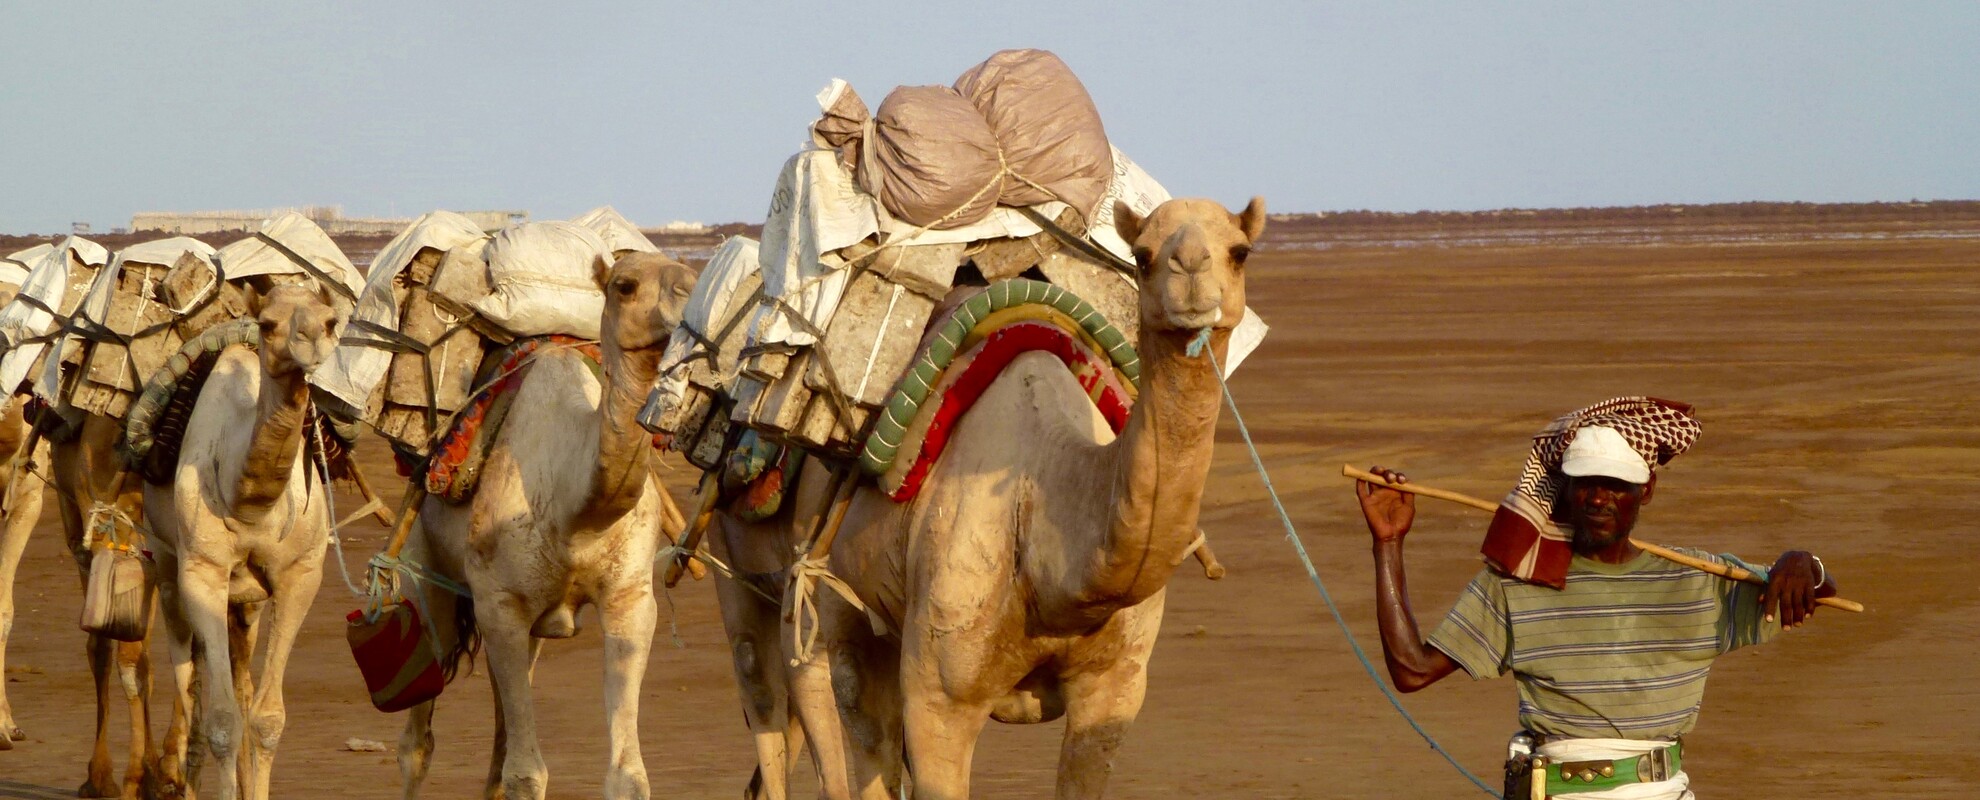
(260, 255)
(354, 370)
(543, 278)
(714, 299)
(48, 282)
(14, 268)
(618, 232)
(815, 210)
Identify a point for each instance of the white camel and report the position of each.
(567, 514)
(239, 537)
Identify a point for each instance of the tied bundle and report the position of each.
(1526, 539)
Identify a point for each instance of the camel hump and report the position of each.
(966, 351)
(453, 466)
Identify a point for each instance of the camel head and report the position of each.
(645, 299)
(299, 327)
(1191, 254)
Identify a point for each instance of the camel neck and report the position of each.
(1162, 459)
(624, 448)
(271, 456)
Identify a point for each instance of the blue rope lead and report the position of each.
(1199, 345)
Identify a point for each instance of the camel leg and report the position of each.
(243, 631)
(1100, 706)
(172, 761)
(752, 625)
(203, 590)
(848, 695)
(416, 743)
(500, 753)
(628, 617)
(101, 653)
(14, 531)
(290, 600)
(941, 736)
(506, 642)
(134, 674)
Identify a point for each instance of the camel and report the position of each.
(1026, 580)
(21, 489)
(567, 514)
(239, 536)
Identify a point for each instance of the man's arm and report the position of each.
(1794, 583)
(1412, 663)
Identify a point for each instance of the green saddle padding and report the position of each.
(162, 410)
(884, 443)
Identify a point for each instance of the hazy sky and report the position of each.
(677, 112)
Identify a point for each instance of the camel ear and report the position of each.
(323, 293)
(1252, 221)
(253, 296)
(1126, 223)
(600, 270)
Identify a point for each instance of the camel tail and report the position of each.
(467, 641)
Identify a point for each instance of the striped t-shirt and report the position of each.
(1622, 652)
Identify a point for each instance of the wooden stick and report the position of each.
(365, 491)
(1721, 570)
(711, 492)
(408, 511)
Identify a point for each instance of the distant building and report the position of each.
(678, 227)
(330, 218)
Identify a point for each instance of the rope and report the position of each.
(801, 605)
(330, 502)
(1197, 346)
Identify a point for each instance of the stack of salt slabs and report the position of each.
(893, 214)
(49, 293)
(405, 361)
(124, 325)
(699, 367)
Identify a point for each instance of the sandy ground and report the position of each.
(1836, 380)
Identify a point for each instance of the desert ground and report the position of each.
(1835, 365)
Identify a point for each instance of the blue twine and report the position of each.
(1199, 344)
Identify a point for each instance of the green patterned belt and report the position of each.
(1574, 777)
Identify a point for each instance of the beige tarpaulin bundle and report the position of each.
(1018, 129)
(291, 244)
(619, 234)
(404, 359)
(14, 266)
(541, 280)
(124, 327)
(54, 286)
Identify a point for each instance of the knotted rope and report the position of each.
(801, 605)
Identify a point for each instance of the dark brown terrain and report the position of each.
(1834, 356)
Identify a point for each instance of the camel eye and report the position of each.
(1239, 253)
(1143, 259)
(625, 286)
(267, 326)
(329, 327)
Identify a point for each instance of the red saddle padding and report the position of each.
(400, 667)
(987, 362)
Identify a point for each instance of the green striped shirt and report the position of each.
(1622, 652)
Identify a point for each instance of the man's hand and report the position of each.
(1389, 512)
(1792, 588)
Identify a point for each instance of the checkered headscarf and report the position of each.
(1526, 540)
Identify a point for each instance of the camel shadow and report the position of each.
(15, 790)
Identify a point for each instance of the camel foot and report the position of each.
(100, 787)
(16, 734)
(6, 743)
(159, 786)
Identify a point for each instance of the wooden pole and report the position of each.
(711, 492)
(1721, 570)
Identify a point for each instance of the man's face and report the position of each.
(1602, 510)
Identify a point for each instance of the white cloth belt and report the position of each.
(1677, 787)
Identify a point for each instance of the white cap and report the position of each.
(1600, 450)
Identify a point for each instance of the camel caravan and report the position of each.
(952, 416)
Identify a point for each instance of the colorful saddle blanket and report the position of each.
(454, 468)
(966, 352)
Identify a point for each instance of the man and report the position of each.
(1611, 666)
